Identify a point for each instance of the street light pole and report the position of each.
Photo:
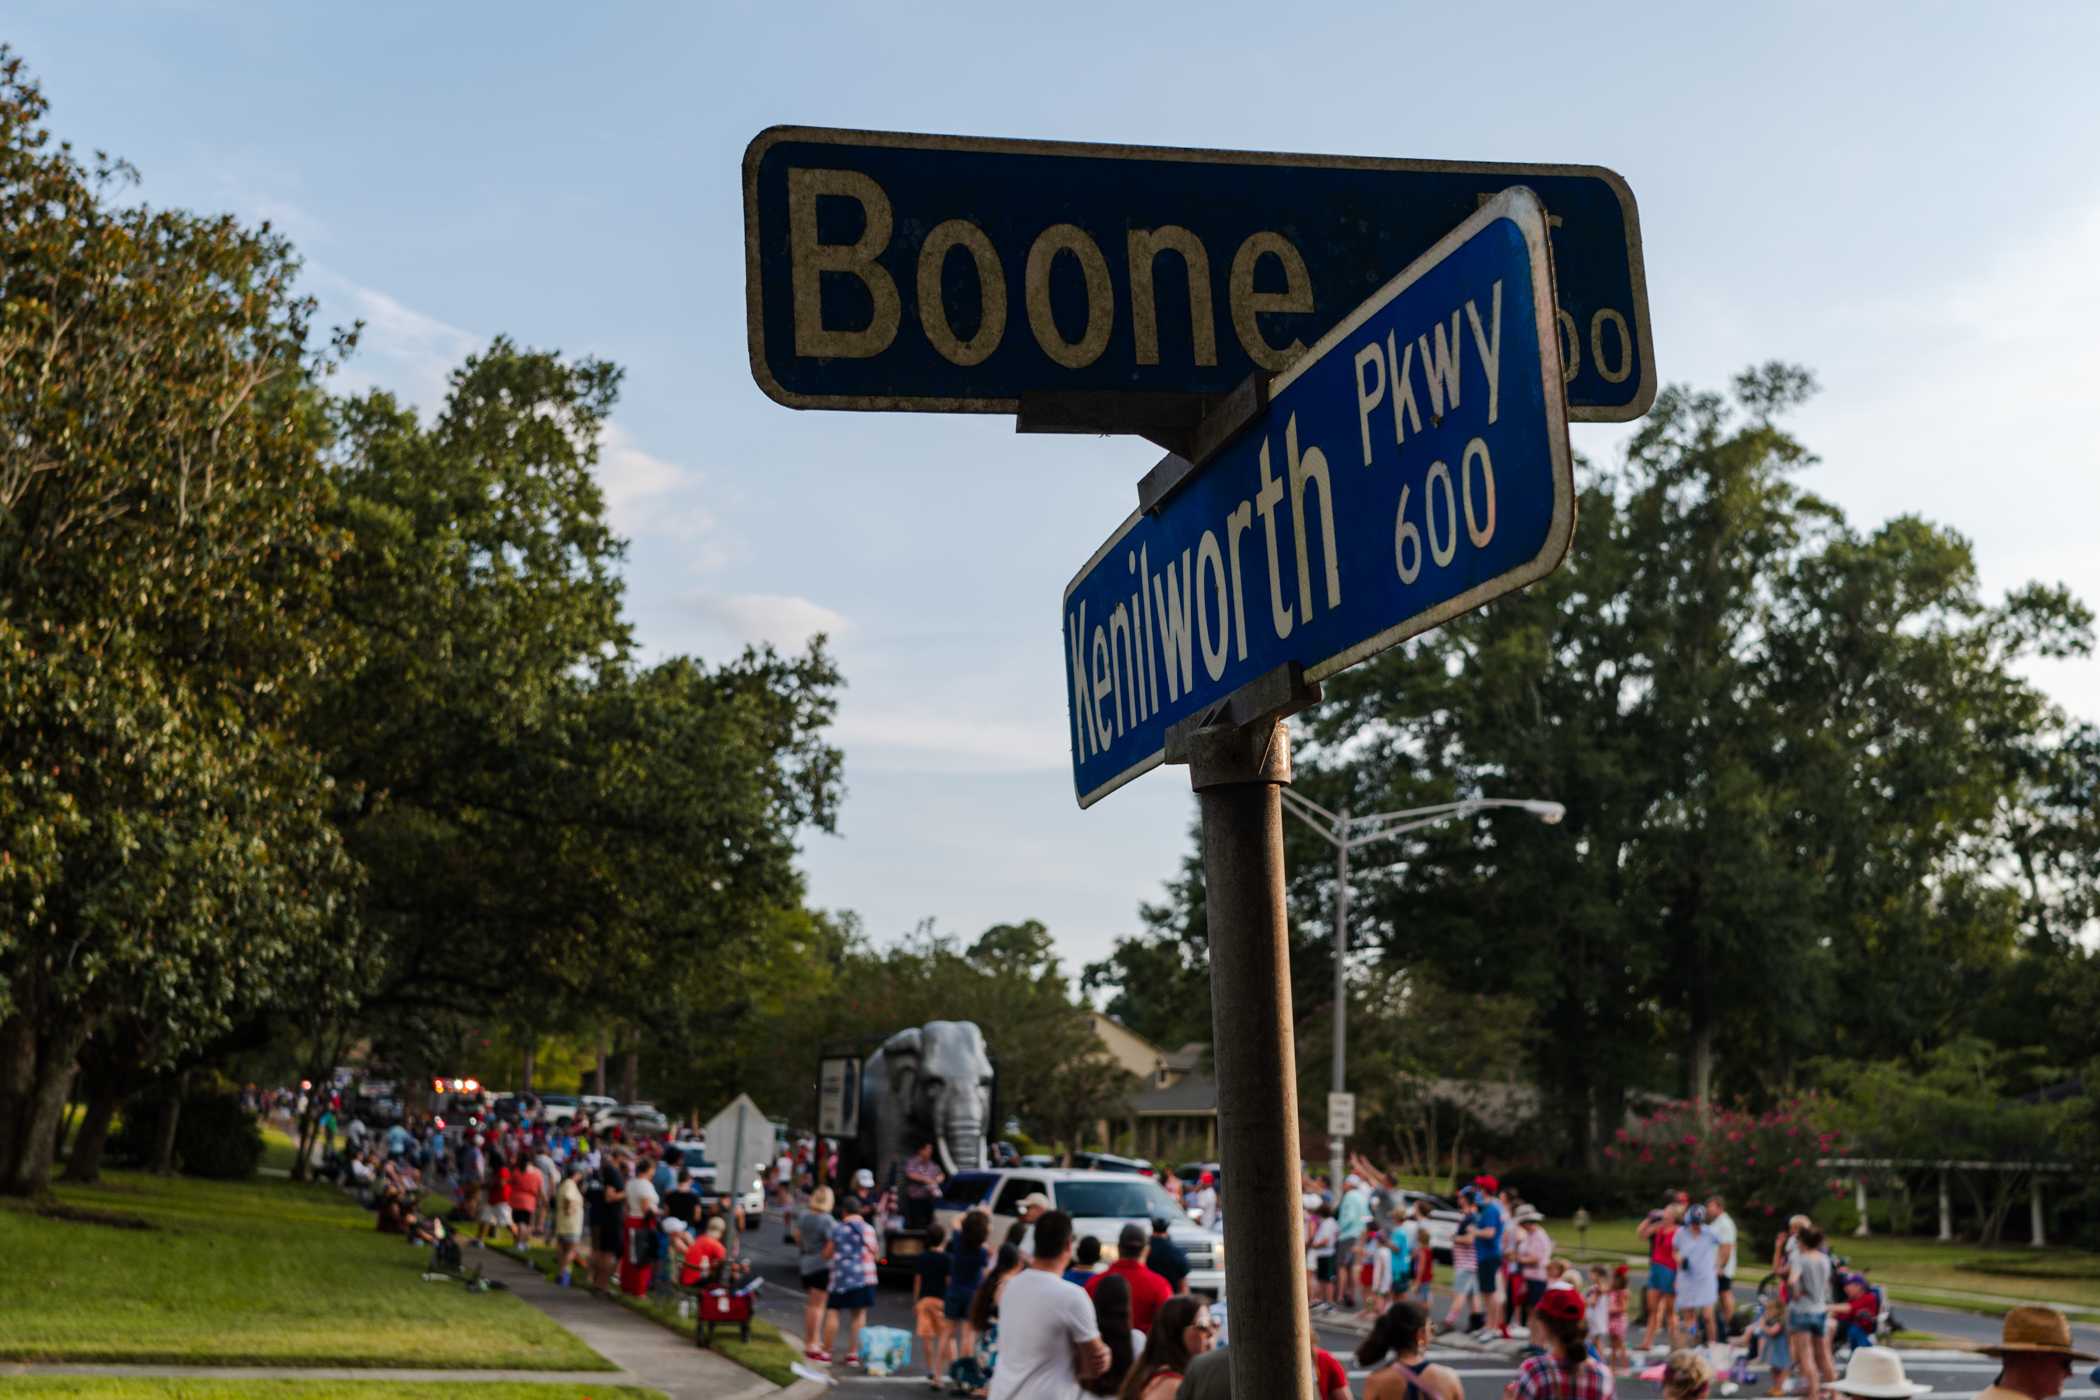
(1341, 988)
(1346, 834)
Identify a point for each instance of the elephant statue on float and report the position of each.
(928, 1083)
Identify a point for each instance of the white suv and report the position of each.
(1100, 1204)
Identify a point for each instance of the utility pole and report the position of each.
(1337, 1146)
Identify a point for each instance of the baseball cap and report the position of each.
(1354, 1180)
(1035, 1198)
(674, 1226)
(864, 1179)
(1132, 1238)
(1560, 1305)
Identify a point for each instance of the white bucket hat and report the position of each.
(1876, 1372)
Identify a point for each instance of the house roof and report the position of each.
(1188, 1057)
(1191, 1094)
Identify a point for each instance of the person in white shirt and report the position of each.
(1048, 1339)
(1721, 1226)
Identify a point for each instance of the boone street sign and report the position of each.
(1410, 467)
(955, 274)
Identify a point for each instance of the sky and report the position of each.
(1902, 197)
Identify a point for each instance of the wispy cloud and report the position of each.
(786, 620)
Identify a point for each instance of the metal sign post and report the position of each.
(1238, 767)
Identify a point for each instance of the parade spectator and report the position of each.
(1534, 1251)
(813, 1239)
(1147, 1289)
(1166, 1258)
(966, 1274)
(851, 1251)
(1859, 1314)
(1352, 1217)
(606, 1194)
(525, 1188)
(1049, 1341)
(1566, 1371)
(568, 1221)
(703, 1254)
(1697, 1281)
(1465, 1277)
(1205, 1201)
(1809, 1311)
(1488, 1247)
(1402, 1332)
(638, 1237)
(1320, 1244)
(1877, 1373)
(1112, 1314)
(1183, 1331)
(929, 1291)
(1687, 1375)
(1086, 1261)
(1659, 1229)
(1721, 1225)
(2034, 1355)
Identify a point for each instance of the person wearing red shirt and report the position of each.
(1147, 1289)
(703, 1253)
(1330, 1381)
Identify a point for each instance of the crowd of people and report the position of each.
(620, 1214)
(1046, 1313)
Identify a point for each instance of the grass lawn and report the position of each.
(248, 1274)
(767, 1353)
(144, 1388)
(1922, 1270)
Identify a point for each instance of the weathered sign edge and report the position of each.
(1644, 392)
(1522, 207)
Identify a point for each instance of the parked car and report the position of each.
(559, 1108)
(1100, 1204)
(1110, 1162)
(633, 1119)
(1443, 1218)
(589, 1106)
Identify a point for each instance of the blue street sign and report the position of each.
(955, 274)
(1410, 466)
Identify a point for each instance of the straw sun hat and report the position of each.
(2034, 1329)
(1876, 1372)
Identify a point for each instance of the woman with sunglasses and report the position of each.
(1181, 1331)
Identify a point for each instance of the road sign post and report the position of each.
(1367, 535)
(1098, 288)
(1238, 768)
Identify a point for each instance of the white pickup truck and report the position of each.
(1100, 1204)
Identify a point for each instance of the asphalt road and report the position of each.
(1950, 1373)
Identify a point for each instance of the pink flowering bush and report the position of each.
(1763, 1163)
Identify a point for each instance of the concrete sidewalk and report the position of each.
(646, 1353)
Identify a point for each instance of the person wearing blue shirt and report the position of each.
(398, 1141)
(1487, 1250)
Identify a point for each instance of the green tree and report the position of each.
(1788, 749)
(165, 851)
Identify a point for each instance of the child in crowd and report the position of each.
(1597, 1296)
(1769, 1337)
(1375, 1273)
(929, 1303)
(1620, 1297)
